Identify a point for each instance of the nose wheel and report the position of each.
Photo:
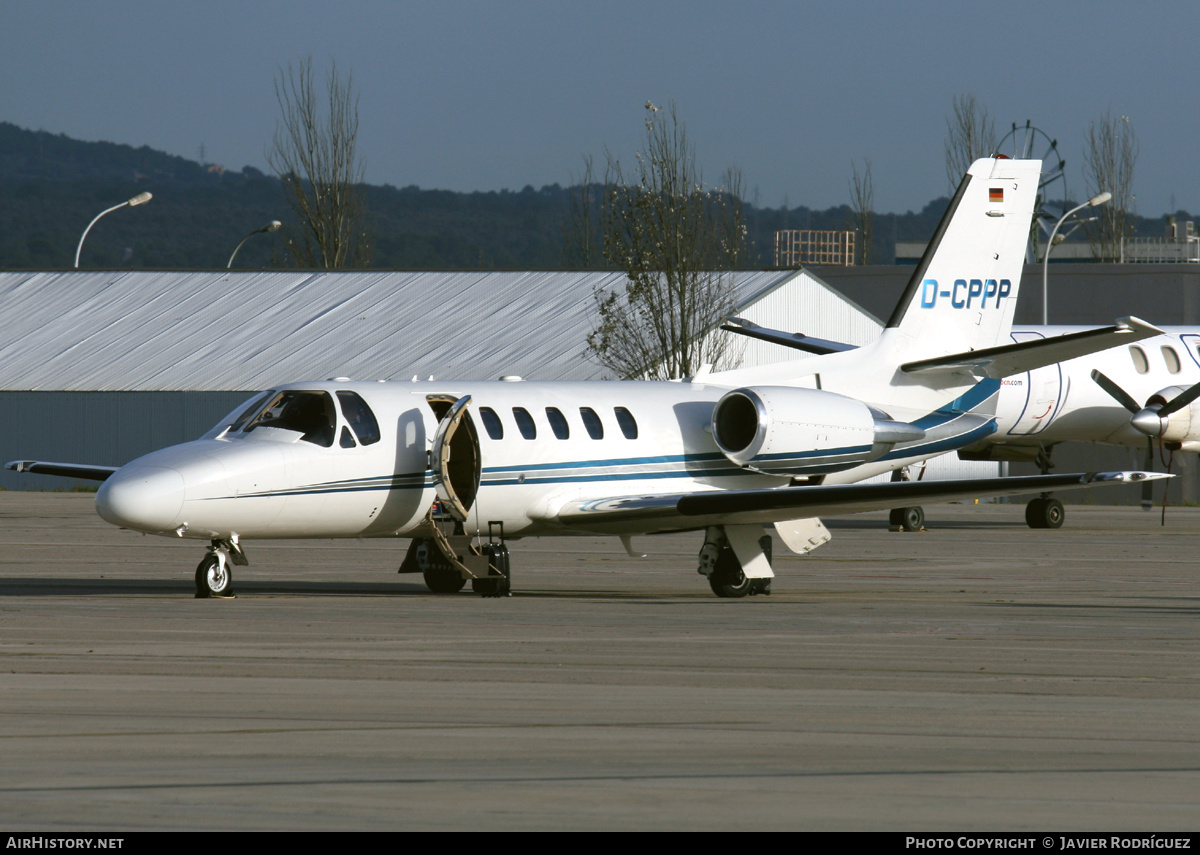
(213, 578)
(214, 573)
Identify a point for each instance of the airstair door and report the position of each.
(454, 456)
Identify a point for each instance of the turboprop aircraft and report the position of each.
(461, 467)
(1141, 395)
(1093, 398)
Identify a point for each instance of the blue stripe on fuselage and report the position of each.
(696, 465)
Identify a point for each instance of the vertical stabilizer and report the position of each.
(964, 291)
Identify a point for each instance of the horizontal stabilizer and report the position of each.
(799, 341)
(66, 470)
(687, 511)
(1008, 359)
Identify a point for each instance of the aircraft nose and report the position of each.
(146, 498)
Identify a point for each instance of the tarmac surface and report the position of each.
(979, 676)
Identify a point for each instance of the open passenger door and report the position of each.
(454, 456)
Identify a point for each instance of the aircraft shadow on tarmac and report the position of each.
(43, 587)
(850, 524)
(32, 587)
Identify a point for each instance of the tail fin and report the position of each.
(964, 291)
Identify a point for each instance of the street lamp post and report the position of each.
(272, 226)
(1095, 201)
(139, 199)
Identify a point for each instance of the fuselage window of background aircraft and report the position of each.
(591, 421)
(491, 422)
(1171, 358)
(358, 414)
(525, 423)
(558, 423)
(626, 421)
(308, 413)
(1140, 363)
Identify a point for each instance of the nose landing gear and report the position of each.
(214, 575)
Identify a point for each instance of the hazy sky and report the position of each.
(493, 95)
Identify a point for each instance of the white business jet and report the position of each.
(461, 467)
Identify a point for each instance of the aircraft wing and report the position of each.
(1008, 359)
(689, 511)
(67, 470)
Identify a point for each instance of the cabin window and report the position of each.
(1171, 358)
(491, 423)
(359, 416)
(525, 423)
(591, 421)
(1140, 363)
(626, 422)
(309, 413)
(346, 440)
(558, 423)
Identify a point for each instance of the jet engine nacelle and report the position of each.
(782, 430)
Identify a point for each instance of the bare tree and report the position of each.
(970, 135)
(1111, 154)
(673, 238)
(583, 244)
(862, 206)
(314, 153)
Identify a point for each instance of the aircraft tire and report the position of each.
(210, 581)
(727, 579)
(909, 519)
(1035, 515)
(1056, 514)
(1045, 513)
(443, 580)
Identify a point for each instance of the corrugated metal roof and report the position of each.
(182, 330)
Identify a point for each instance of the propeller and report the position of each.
(1120, 395)
(1151, 420)
(1154, 416)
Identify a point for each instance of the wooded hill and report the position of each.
(51, 186)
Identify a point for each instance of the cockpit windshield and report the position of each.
(234, 421)
(248, 413)
(310, 413)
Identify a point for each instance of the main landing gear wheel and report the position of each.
(1045, 513)
(728, 581)
(907, 519)
(214, 578)
(440, 577)
(443, 580)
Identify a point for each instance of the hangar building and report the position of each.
(101, 367)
